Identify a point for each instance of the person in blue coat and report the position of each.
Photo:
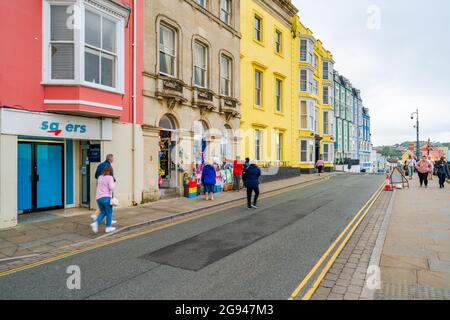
(251, 181)
(208, 180)
(107, 163)
(442, 171)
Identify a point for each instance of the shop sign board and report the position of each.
(50, 125)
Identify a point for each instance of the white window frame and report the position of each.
(328, 157)
(309, 151)
(80, 6)
(259, 31)
(258, 90)
(202, 3)
(309, 81)
(310, 115)
(259, 136)
(226, 77)
(309, 50)
(326, 122)
(278, 41)
(279, 146)
(227, 11)
(160, 50)
(204, 68)
(278, 95)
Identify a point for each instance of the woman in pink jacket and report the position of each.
(423, 168)
(105, 189)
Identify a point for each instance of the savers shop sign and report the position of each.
(57, 128)
(19, 122)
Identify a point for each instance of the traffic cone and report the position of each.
(387, 183)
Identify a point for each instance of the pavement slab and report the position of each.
(415, 261)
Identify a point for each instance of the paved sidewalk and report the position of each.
(415, 261)
(36, 238)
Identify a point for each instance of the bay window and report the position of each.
(306, 151)
(328, 152)
(307, 82)
(328, 96)
(306, 51)
(100, 54)
(327, 70)
(83, 44)
(326, 123)
(62, 43)
(307, 114)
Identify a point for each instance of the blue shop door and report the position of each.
(24, 179)
(49, 185)
(40, 176)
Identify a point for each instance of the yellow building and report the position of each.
(267, 80)
(313, 101)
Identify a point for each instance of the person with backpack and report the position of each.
(442, 171)
(209, 180)
(251, 180)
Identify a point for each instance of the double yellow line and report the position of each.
(353, 224)
(238, 203)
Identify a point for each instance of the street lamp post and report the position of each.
(418, 151)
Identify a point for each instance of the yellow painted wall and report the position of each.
(322, 54)
(262, 56)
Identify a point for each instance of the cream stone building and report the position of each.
(191, 88)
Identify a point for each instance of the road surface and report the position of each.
(233, 254)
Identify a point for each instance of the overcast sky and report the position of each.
(399, 59)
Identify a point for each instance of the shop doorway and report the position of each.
(40, 178)
(317, 149)
(85, 175)
(167, 146)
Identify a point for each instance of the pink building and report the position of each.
(69, 95)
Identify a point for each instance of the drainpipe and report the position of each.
(133, 198)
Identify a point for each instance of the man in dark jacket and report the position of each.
(251, 179)
(107, 163)
(442, 171)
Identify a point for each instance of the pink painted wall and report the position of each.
(21, 63)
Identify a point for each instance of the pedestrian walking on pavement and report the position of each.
(423, 168)
(208, 180)
(251, 180)
(105, 189)
(320, 164)
(410, 165)
(430, 174)
(238, 168)
(107, 163)
(247, 163)
(442, 171)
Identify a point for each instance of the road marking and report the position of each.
(154, 229)
(327, 267)
(300, 287)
